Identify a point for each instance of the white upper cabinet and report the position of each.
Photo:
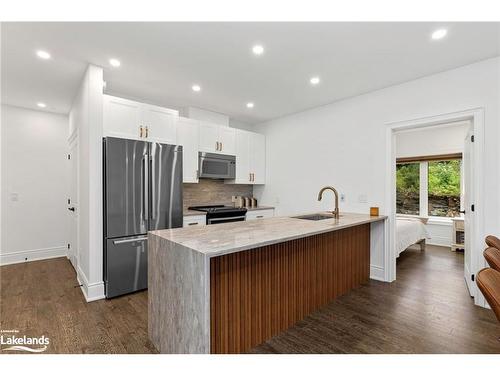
(121, 118)
(159, 124)
(217, 139)
(187, 137)
(250, 158)
(125, 118)
(258, 158)
(227, 139)
(243, 175)
(209, 137)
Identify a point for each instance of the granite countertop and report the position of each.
(215, 240)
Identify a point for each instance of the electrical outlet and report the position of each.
(342, 197)
(14, 197)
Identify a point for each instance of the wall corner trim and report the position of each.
(92, 291)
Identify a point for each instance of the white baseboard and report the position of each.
(32, 255)
(377, 273)
(91, 291)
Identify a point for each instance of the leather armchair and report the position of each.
(492, 256)
(488, 282)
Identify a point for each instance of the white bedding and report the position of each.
(409, 231)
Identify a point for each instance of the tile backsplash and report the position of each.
(209, 191)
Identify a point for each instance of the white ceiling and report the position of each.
(161, 61)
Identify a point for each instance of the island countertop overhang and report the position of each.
(217, 240)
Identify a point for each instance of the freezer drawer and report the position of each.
(126, 265)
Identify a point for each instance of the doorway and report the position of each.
(472, 176)
(73, 201)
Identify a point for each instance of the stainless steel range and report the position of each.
(218, 214)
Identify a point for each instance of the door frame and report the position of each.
(73, 139)
(476, 117)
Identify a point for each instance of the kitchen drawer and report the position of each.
(259, 214)
(194, 221)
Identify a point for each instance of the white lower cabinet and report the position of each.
(260, 214)
(194, 221)
(187, 137)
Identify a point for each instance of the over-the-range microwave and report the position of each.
(216, 166)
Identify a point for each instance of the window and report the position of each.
(408, 188)
(444, 188)
(429, 186)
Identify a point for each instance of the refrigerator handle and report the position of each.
(153, 183)
(145, 200)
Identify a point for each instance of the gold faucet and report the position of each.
(335, 212)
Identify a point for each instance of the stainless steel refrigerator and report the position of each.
(142, 192)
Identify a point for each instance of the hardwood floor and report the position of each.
(427, 310)
(40, 298)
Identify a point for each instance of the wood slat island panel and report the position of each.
(256, 294)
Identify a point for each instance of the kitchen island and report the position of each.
(227, 288)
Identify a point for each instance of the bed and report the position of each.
(410, 231)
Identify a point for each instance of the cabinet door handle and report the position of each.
(221, 146)
(250, 177)
(259, 217)
(147, 132)
(216, 146)
(140, 132)
(193, 224)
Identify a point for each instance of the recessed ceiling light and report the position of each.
(258, 49)
(439, 34)
(250, 105)
(314, 80)
(41, 105)
(196, 88)
(114, 63)
(43, 54)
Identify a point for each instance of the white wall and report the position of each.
(205, 115)
(436, 140)
(86, 118)
(241, 125)
(34, 185)
(344, 143)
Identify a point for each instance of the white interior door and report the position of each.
(468, 181)
(73, 202)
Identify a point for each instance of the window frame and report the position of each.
(424, 189)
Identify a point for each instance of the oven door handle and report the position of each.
(226, 218)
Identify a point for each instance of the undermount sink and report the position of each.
(315, 217)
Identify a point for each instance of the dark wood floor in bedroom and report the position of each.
(427, 310)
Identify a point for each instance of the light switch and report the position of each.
(342, 197)
(14, 197)
(362, 198)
